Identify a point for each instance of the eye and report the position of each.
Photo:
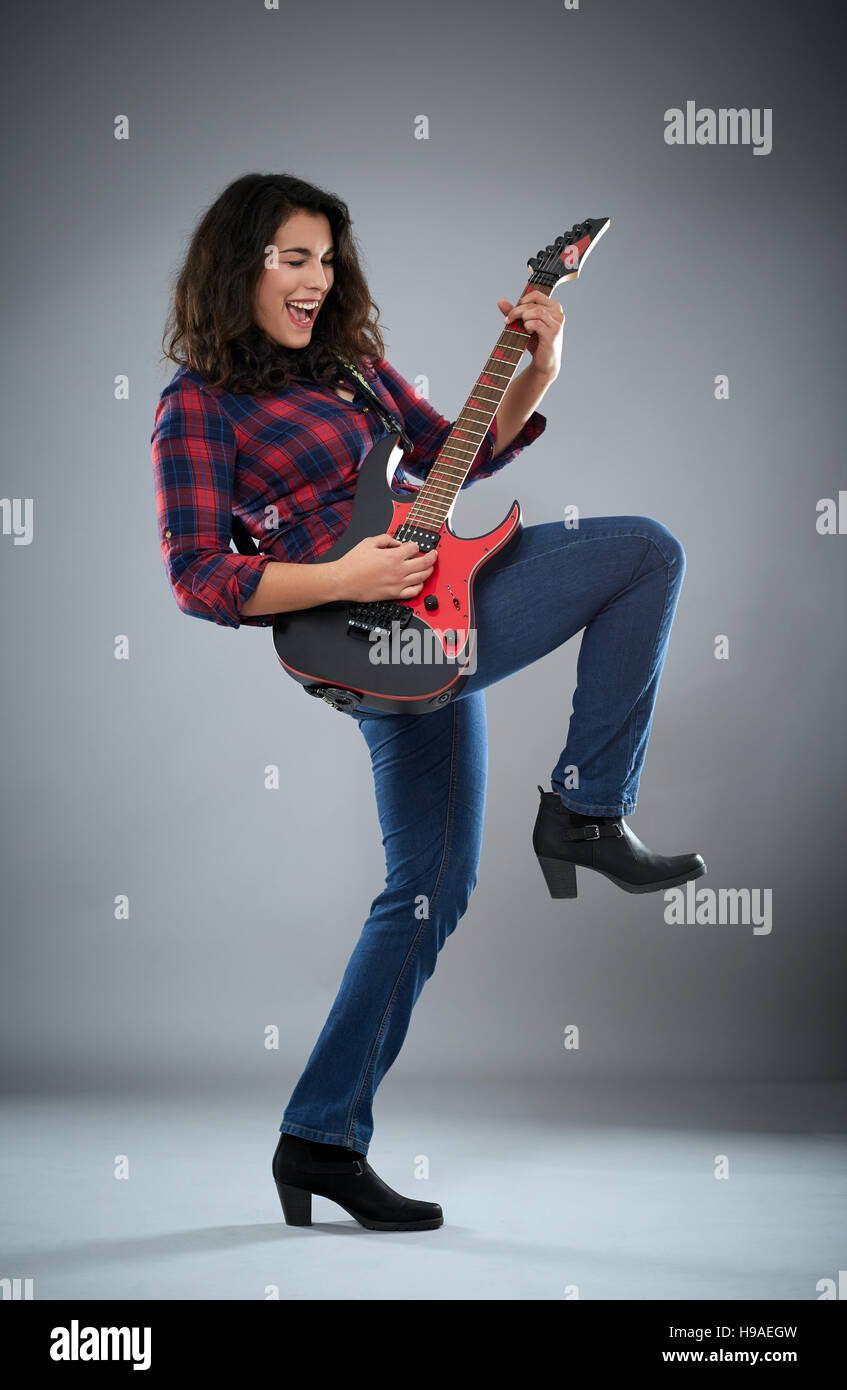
(331, 262)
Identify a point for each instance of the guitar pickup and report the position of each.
(378, 616)
(426, 540)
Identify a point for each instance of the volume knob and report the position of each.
(430, 603)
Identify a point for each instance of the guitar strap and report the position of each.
(392, 424)
(244, 542)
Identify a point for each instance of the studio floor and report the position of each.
(590, 1190)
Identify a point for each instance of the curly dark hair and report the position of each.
(210, 324)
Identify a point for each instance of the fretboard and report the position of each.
(455, 458)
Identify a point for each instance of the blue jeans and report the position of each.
(619, 578)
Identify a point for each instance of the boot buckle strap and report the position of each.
(316, 1166)
(591, 832)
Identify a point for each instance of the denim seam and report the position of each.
(451, 799)
(639, 718)
(583, 540)
(413, 948)
(627, 806)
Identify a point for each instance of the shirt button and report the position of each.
(167, 535)
(366, 407)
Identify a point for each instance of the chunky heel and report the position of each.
(559, 875)
(296, 1204)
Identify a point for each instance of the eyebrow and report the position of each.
(304, 250)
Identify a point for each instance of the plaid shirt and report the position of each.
(287, 466)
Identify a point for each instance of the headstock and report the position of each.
(567, 255)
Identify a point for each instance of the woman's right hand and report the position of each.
(381, 567)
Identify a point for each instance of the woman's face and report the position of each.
(304, 273)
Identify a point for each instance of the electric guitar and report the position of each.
(415, 655)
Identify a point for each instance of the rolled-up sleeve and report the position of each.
(194, 453)
(428, 431)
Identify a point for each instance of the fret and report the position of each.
(461, 434)
(451, 459)
(438, 506)
(439, 493)
(436, 499)
(442, 481)
(445, 467)
(451, 479)
(458, 465)
(441, 501)
(474, 430)
(480, 390)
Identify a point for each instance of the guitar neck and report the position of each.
(455, 458)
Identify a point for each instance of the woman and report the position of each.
(263, 419)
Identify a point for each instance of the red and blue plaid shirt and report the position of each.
(287, 466)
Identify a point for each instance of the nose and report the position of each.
(320, 285)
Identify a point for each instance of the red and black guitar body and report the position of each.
(406, 657)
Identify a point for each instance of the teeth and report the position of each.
(304, 303)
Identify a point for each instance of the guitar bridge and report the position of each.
(378, 616)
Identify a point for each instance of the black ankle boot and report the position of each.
(302, 1168)
(563, 839)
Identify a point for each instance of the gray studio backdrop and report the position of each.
(146, 777)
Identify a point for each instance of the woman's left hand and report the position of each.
(544, 318)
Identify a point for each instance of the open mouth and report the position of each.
(301, 312)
